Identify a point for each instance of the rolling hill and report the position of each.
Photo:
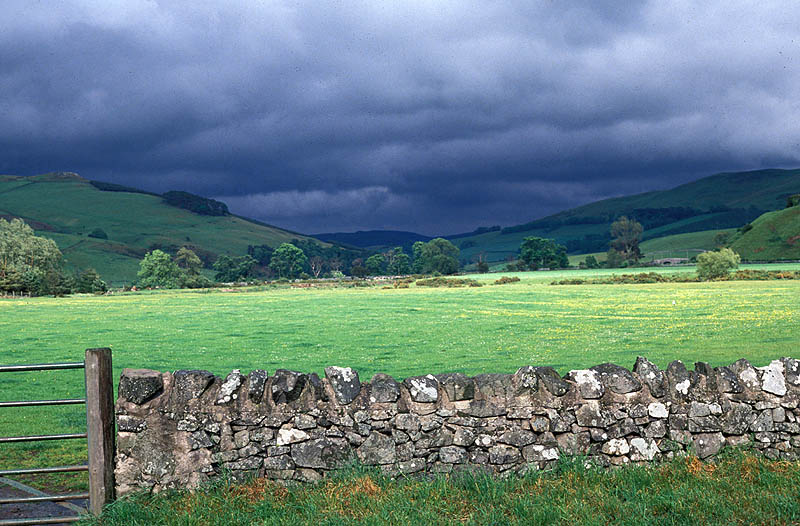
(110, 227)
(773, 236)
(718, 202)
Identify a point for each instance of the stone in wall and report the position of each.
(181, 429)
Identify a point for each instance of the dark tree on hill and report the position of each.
(538, 252)
(157, 270)
(397, 262)
(288, 261)
(626, 234)
(195, 203)
(230, 269)
(188, 261)
(88, 281)
(376, 264)
(437, 255)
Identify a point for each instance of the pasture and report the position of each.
(402, 332)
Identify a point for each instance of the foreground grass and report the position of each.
(738, 489)
(402, 332)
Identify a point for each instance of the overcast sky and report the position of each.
(430, 116)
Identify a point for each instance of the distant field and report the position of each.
(402, 332)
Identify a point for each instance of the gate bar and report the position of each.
(54, 469)
(40, 367)
(49, 498)
(34, 438)
(31, 403)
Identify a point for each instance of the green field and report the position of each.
(403, 332)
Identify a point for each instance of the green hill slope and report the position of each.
(722, 201)
(774, 235)
(67, 208)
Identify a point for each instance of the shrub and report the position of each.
(448, 282)
(98, 233)
(506, 279)
(718, 264)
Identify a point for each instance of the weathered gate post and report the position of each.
(100, 427)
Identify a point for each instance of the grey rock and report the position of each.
(408, 422)
(588, 382)
(256, 381)
(377, 449)
(540, 424)
(501, 454)
(250, 463)
(708, 373)
(130, 424)
(241, 438)
(525, 381)
(287, 386)
(227, 391)
(708, 444)
(792, 371)
(680, 379)
(728, 381)
(552, 381)
(423, 389)
(140, 385)
(457, 386)
(464, 436)
(321, 453)
(517, 438)
(279, 462)
(652, 376)
(617, 379)
(304, 422)
(482, 409)
(383, 389)
(200, 439)
(592, 415)
(493, 385)
(656, 429)
(190, 384)
(344, 382)
(747, 374)
(411, 466)
(737, 420)
(453, 455)
(763, 422)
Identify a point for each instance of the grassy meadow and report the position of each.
(403, 332)
(739, 488)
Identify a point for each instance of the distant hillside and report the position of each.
(774, 235)
(110, 227)
(722, 201)
(373, 238)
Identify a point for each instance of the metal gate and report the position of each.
(99, 433)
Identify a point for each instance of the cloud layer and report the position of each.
(429, 116)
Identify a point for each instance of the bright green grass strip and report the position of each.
(739, 489)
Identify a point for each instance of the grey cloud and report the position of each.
(437, 117)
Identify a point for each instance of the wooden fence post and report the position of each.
(100, 427)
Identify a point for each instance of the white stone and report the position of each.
(588, 383)
(290, 436)
(657, 410)
(428, 391)
(683, 387)
(772, 379)
(616, 447)
(643, 449)
(228, 389)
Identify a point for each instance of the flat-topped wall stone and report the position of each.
(181, 429)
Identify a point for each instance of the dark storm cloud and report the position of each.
(428, 116)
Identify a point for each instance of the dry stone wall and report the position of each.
(180, 429)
